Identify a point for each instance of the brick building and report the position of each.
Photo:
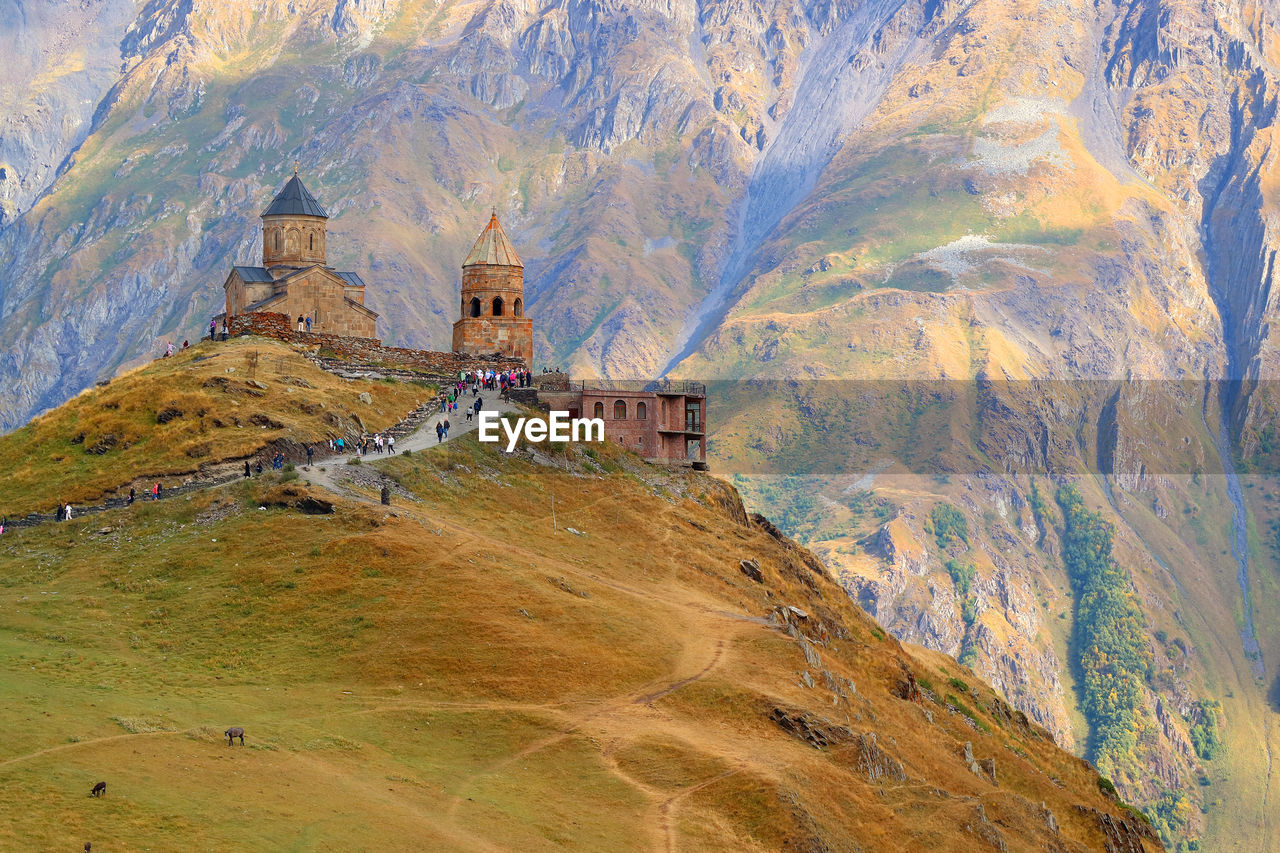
(492, 309)
(293, 279)
(666, 424)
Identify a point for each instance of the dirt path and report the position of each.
(328, 474)
(63, 747)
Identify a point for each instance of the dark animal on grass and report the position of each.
(88, 845)
(233, 733)
(98, 789)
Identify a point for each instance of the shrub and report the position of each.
(949, 525)
(1205, 737)
(1110, 634)
(961, 575)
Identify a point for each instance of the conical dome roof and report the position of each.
(492, 248)
(294, 200)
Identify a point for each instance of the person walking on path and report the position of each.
(225, 331)
(391, 444)
(308, 324)
(446, 427)
(132, 495)
(311, 452)
(213, 330)
(246, 469)
(66, 512)
(439, 432)
(300, 324)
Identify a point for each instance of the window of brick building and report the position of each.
(599, 411)
(619, 410)
(475, 306)
(642, 411)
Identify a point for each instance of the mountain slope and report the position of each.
(458, 671)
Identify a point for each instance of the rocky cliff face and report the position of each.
(61, 58)
(904, 189)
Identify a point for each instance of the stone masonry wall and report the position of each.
(366, 350)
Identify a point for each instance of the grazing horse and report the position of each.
(98, 789)
(233, 733)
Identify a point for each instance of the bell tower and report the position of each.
(492, 316)
(293, 229)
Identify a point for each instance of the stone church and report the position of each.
(294, 279)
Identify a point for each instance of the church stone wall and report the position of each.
(317, 295)
(269, 324)
(510, 336)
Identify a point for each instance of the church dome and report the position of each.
(492, 248)
(294, 200)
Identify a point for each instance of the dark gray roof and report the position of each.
(352, 279)
(294, 200)
(248, 274)
(248, 309)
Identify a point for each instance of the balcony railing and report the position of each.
(682, 386)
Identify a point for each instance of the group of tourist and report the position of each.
(492, 380)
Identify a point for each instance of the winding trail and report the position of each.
(64, 747)
(704, 635)
(422, 439)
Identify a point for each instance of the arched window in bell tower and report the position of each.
(497, 306)
(518, 307)
(277, 239)
(475, 306)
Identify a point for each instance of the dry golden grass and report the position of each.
(218, 401)
(459, 673)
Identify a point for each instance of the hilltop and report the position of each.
(534, 651)
(191, 417)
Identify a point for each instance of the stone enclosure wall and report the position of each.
(367, 351)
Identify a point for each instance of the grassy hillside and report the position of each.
(463, 671)
(173, 417)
